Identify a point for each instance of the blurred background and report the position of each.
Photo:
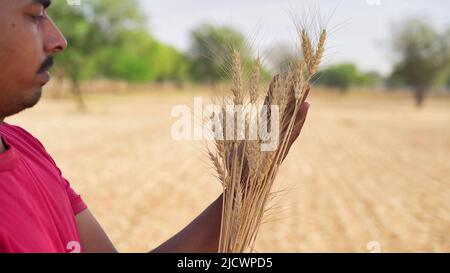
(370, 173)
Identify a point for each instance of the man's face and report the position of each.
(28, 40)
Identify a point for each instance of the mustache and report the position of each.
(46, 65)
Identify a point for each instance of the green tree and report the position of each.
(281, 57)
(344, 76)
(341, 76)
(138, 57)
(370, 79)
(89, 28)
(210, 51)
(423, 55)
(171, 64)
(127, 60)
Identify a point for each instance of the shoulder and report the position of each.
(23, 140)
(13, 129)
(14, 133)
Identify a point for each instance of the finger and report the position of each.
(305, 96)
(299, 122)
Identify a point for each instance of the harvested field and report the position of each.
(367, 169)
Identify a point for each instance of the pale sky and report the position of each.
(361, 28)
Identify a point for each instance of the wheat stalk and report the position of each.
(237, 78)
(319, 52)
(246, 172)
(255, 81)
(308, 54)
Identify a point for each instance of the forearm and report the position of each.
(200, 236)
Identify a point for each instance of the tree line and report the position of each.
(109, 39)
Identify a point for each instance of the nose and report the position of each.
(54, 40)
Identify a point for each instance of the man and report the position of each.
(39, 211)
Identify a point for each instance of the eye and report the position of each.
(38, 15)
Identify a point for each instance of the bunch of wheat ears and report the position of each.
(247, 173)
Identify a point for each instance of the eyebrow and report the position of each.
(44, 3)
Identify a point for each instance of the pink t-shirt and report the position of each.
(37, 205)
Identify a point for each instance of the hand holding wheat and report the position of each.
(298, 125)
(246, 171)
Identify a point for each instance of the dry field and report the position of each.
(367, 169)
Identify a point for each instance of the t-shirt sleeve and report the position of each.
(75, 199)
(77, 203)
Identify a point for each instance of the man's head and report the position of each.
(28, 40)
